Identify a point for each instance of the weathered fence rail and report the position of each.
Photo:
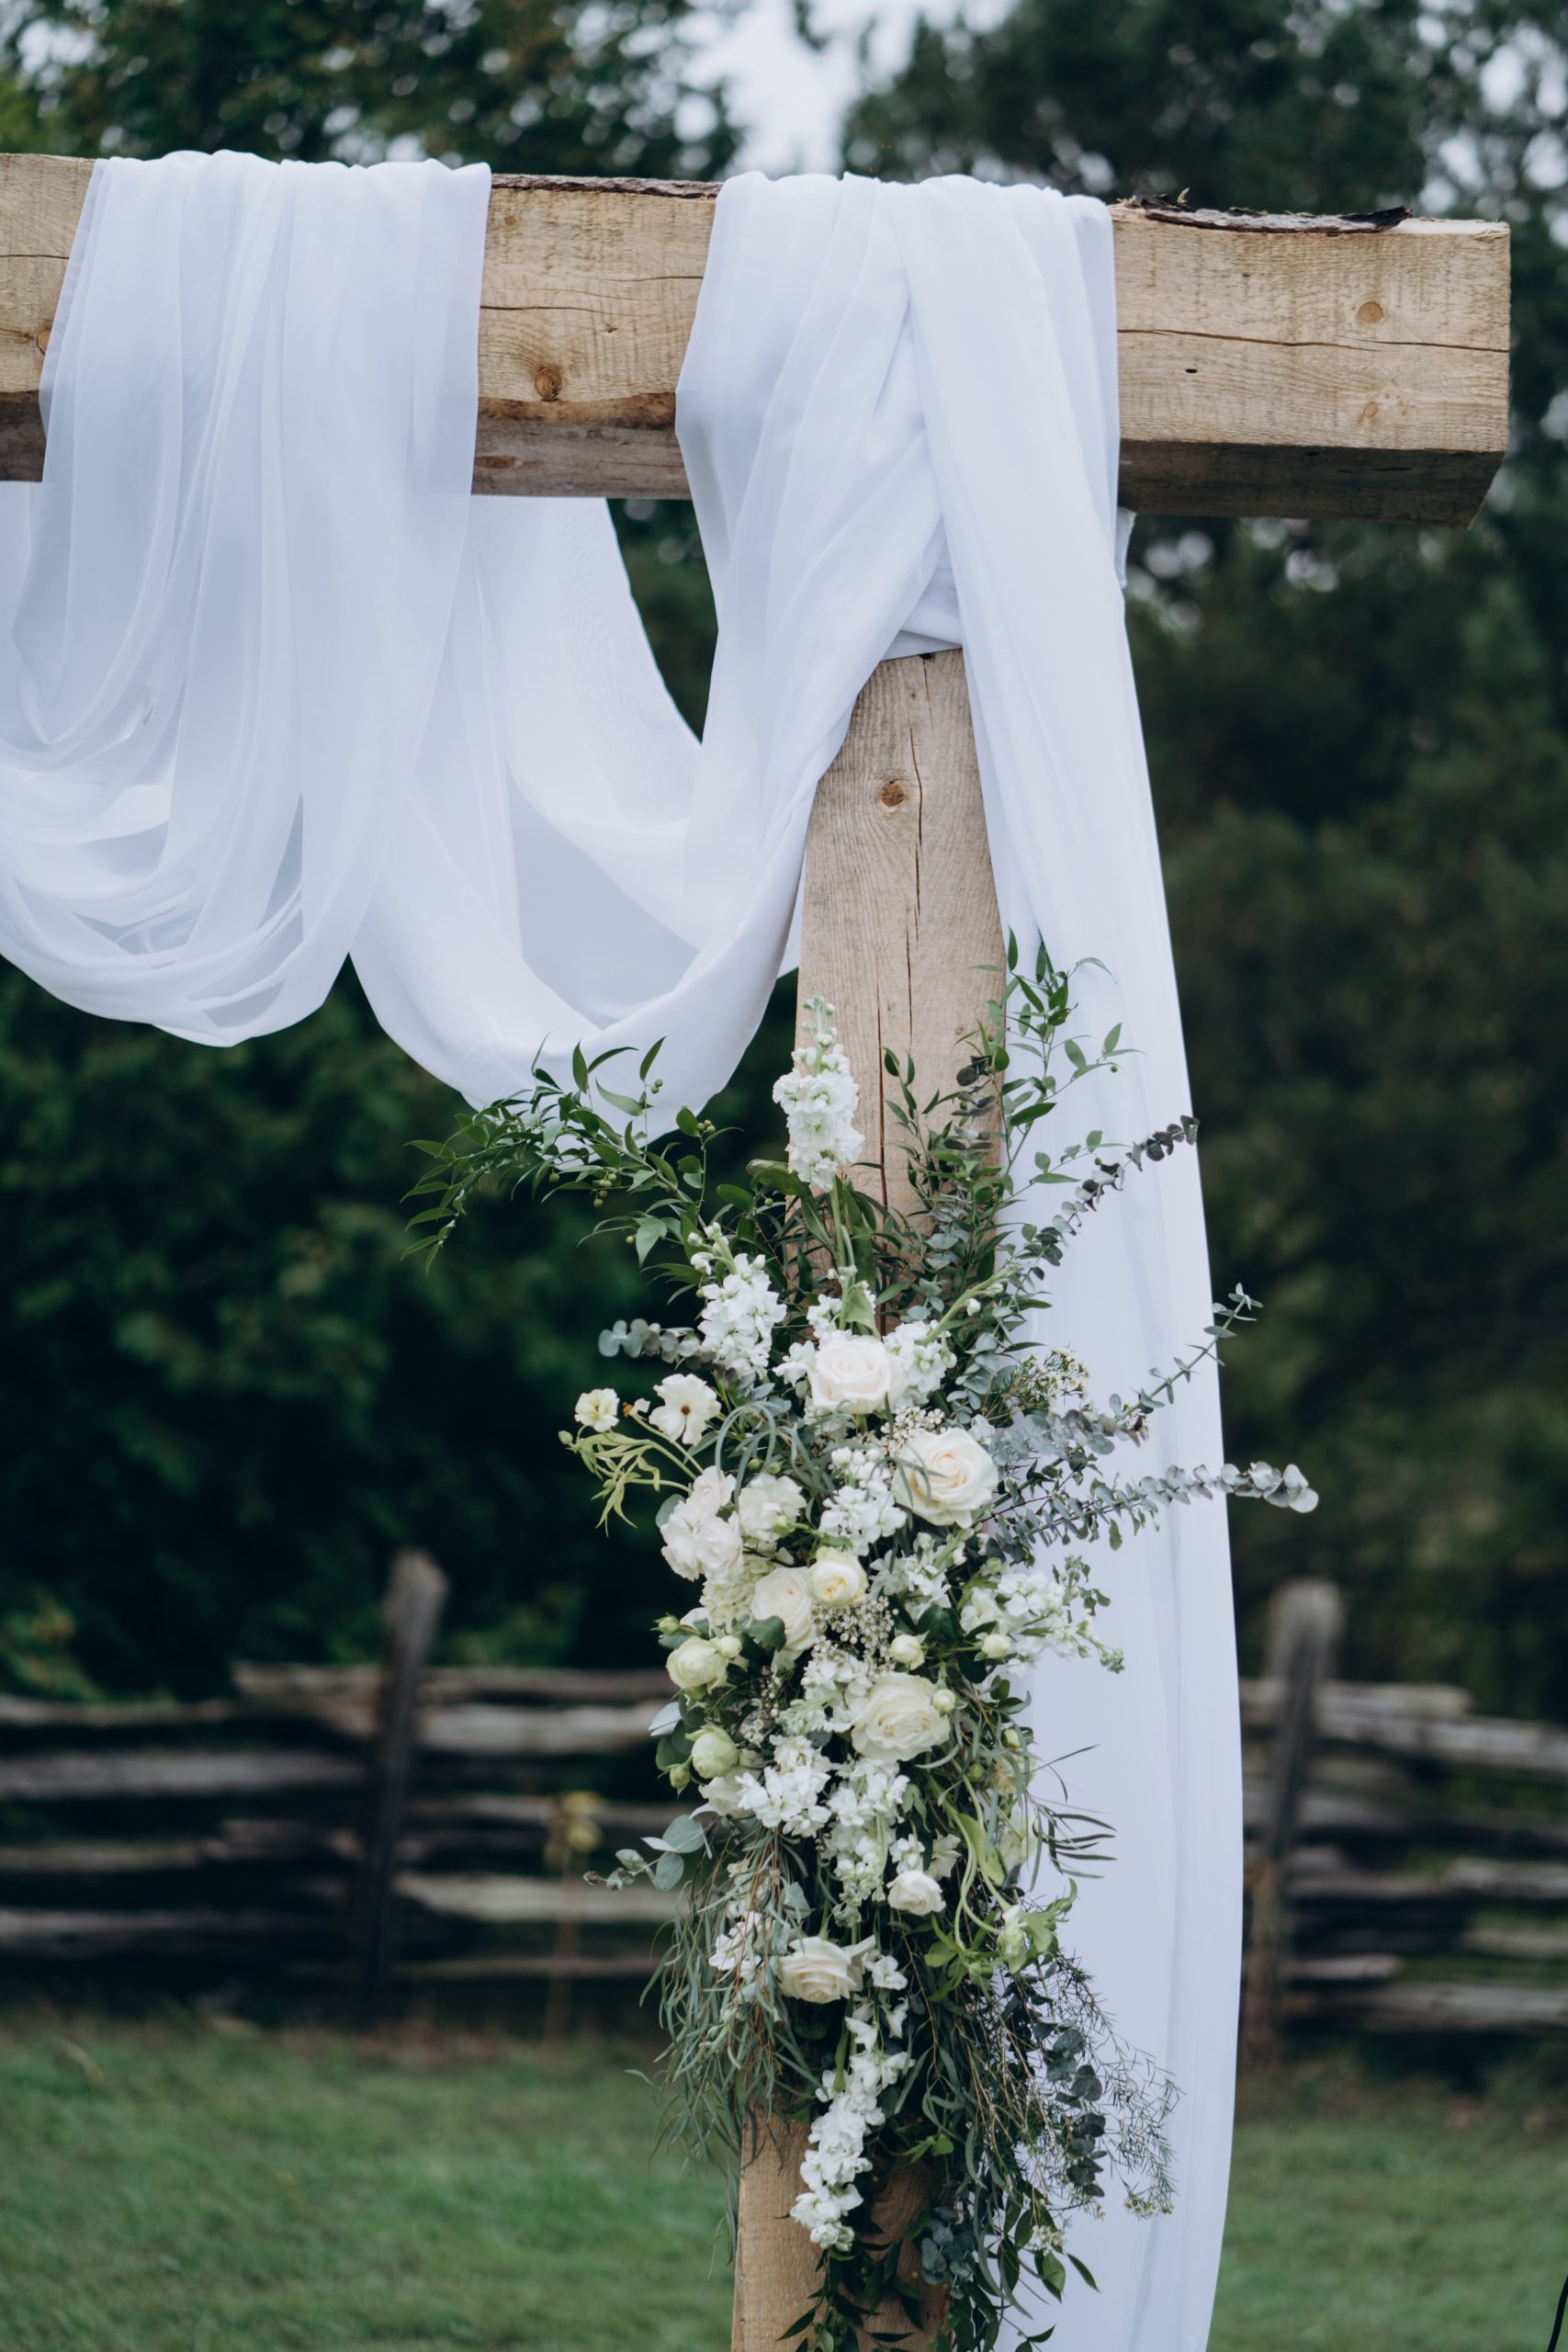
(1408, 1867)
(1407, 1859)
(366, 1823)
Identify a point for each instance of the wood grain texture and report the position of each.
(776, 2266)
(900, 931)
(1298, 368)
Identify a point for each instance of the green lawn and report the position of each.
(186, 2190)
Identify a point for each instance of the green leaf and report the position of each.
(684, 1836)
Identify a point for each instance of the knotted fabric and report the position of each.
(275, 689)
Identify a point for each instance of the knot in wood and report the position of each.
(547, 381)
(893, 794)
(1369, 313)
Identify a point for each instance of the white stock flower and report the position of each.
(686, 1407)
(783, 1593)
(714, 1753)
(898, 1718)
(848, 1372)
(820, 1970)
(739, 1315)
(917, 1363)
(944, 1477)
(596, 1408)
(916, 1891)
(820, 1099)
(697, 1542)
(694, 1665)
(838, 1580)
(768, 1505)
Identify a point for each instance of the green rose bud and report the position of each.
(714, 1753)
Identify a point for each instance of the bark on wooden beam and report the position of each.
(1293, 365)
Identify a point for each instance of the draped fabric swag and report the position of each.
(276, 690)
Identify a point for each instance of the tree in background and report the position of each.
(1358, 741)
(227, 1396)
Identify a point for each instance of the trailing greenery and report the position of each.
(883, 1481)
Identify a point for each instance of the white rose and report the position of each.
(838, 1580)
(847, 1373)
(714, 1753)
(596, 1409)
(907, 1650)
(694, 1665)
(898, 1718)
(697, 1543)
(783, 1593)
(944, 1477)
(915, 1891)
(820, 1970)
(996, 1645)
(687, 1405)
(768, 1505)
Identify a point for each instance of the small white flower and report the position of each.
(996, 1645)
(694, 1665)
(768, 1505)
(907, 1650)
(918, 1364)
(687, 1405)
(898, 1718)
(714, 1753)
(838, 1580)
(1012, 1941)
(819, 1098)
(596, 1409)
(944, 1477)
(697, 1542)
(820, 1970)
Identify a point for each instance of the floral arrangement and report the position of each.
(879, 1483)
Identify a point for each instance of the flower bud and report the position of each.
(907, 1650)
(679, 1777)
(996, 1645)
(714, 1753)
(728, 1646)
(944, 1702)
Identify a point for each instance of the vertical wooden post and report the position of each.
(1303, 1634)
(416, 1599)
(900, 928)
(900, 932)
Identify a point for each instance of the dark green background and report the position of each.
(226, 1395)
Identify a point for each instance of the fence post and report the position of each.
(1304, 1636)
(415, 1597)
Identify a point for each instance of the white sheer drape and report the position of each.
(274, 689)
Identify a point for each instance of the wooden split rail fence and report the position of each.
(337, 1822)
(1407, 1859)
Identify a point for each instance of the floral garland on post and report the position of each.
(883, 1483)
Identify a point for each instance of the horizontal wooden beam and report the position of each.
(1269, 366)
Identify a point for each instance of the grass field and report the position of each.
(181, 2188)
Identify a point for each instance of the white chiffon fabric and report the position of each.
(275, 689)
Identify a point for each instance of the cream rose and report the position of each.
(820, 1970)
(907, 1650)
(694, 1665)
(697, 1542)
(714, 1753)
(915, 1891)
(783, 1593)
(838, 1580)
(596, 1408)
(944, 1477)
(768, 1505)
(847, 1373)
(686, 1404)
(898, 1718)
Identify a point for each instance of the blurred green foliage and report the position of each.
(226, 1395)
